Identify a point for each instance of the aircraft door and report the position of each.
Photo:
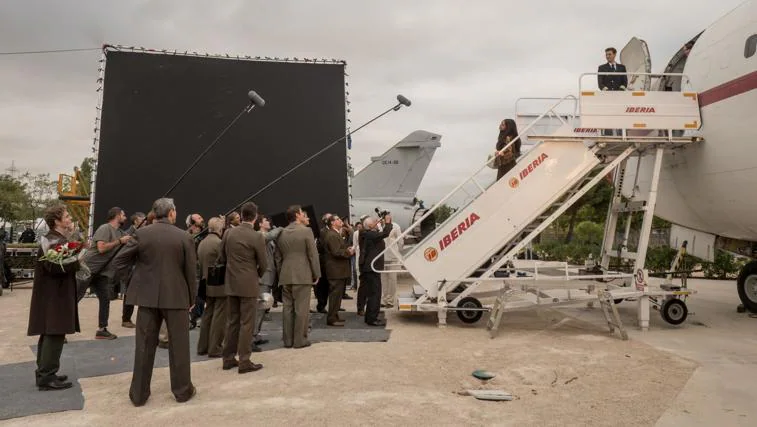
(635, 56)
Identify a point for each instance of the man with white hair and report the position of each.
(163, 286)
(371, 245)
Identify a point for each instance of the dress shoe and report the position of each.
(377, 323)
(128, 324)
(191, 395)
(214, 356)
(361, 313)
(261, 342)
(341, 309)
(55, 385)
(345, 296)
(322, 310)
(337, 323)
(306, 344)
(62, 378)
(256, 349)
(230, 364)
(202, 353)
(249, 367)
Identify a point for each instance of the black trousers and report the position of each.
(322, 292)
(148, 326)
(49, 349)
(101, 285)
(372, 284)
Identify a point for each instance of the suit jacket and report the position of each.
(270, 277)
(337, 257)
(207, 254)
(164, 262)
(243, 251)
(612, 82)
(371, 244)
(297, 255)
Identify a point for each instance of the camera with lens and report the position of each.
(382, 213)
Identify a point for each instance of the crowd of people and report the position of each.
(226, 277)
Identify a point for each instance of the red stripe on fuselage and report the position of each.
(729, 89)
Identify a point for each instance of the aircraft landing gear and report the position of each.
(747, 286)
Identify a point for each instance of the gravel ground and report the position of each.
(562, 371)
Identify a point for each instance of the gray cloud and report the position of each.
(462, 63)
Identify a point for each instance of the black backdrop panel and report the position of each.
(161, 111)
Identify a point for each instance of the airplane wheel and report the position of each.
(747, 286)
(469, 316)
(674, 311)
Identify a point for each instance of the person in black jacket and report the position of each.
(371, 245)
(608, 81)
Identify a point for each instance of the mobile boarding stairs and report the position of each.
(456, 262)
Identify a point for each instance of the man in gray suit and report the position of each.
(243, 252)
(300, 269)
(213, 327)
(163, 286)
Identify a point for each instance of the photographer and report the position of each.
(371, 245)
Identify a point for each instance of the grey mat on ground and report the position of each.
(94, 358)
(21, 398)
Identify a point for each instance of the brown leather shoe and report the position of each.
(230, 364)
(249, 367)
(305, 344)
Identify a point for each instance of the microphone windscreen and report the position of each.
(255, 98)
(402, 100)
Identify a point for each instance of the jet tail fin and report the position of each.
(398, 172)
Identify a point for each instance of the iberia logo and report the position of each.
(514, 182)
(431, 254)
(458, 231)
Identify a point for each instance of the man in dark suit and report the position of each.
(608, 81)
(243, 252)
(337, 266)
(371, 245)
(615, 82)
(300, 269)
(163, 286)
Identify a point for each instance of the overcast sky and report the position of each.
(462, 63)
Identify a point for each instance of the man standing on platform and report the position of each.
(163, 287)
(243, 252)
(300, 270)
(337, 265)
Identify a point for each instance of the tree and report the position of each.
(85, 175)
(13, 198)
(443, 212)
(40, 191)
(591, 207)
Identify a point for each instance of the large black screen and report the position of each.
(160, 111)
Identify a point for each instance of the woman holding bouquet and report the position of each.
(53, 312)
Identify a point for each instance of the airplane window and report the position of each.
(751, 46)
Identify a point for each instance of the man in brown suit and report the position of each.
(213, 327)
(243, 252)
(163, 287)
(298, 257)
(337, 264)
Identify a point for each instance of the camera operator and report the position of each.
(371, 245)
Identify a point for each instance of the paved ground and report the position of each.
(562, 366)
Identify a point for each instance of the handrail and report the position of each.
(456, 189)
(603, 73)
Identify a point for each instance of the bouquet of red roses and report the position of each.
(63, 253)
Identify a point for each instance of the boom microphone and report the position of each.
(255, 99)
(401, 101)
